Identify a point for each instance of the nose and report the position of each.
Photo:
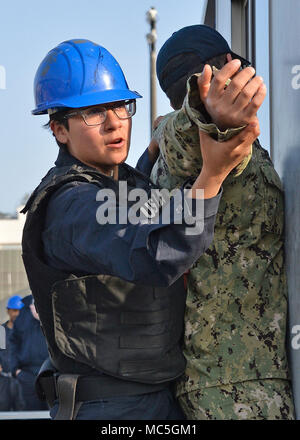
(112, 122)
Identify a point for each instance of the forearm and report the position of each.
(209, 185)
(155, 254)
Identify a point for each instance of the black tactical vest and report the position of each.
(98, 323)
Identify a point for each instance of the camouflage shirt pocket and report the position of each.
(273, 201)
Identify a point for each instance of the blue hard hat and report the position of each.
(15, 302)
(79, 73)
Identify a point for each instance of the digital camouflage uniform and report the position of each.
(235, 320)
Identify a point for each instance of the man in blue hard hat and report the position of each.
(10, 393)
(13, 307)
(109, 291)
(27, 354)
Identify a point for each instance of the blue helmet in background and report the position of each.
(79, 73)
(15, 302)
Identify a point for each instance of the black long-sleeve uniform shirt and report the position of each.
(155, 254)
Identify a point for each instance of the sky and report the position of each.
(28, 30)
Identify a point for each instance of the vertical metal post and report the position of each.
(262, 66)
(151, 38)
(223, 19)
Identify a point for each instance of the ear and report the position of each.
(60, 132)
(229, 57)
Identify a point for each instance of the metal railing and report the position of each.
(24, 415)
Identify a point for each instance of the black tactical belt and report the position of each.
(72, 390)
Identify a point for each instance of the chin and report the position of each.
(119, 157)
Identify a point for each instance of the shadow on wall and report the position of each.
(291, 182)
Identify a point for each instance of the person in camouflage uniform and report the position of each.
(236, 309)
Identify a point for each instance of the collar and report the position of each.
(64, 158)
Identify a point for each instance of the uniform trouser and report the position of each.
(160, 405)
(268, 399)
(26, 379)
(10, 394)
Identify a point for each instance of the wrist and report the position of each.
(153, 151)
(221, 126)
(209, 183)
(211, 176)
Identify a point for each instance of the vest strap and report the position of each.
(66, 391)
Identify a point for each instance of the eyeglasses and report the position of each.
(96, 115)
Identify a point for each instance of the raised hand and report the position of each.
(220, 158)
(235, 105)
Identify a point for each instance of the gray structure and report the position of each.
(152, 38)
(13, 278)
(267, 32)
(2, 338)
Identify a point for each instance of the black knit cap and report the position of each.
(199, 39)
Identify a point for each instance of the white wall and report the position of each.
(11, 230)
(284, 20)
(223, 19)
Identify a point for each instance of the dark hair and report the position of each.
(59, 117)
(177, 91)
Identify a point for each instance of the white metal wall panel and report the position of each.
(262, 66)
(285, 138)
(223, 18)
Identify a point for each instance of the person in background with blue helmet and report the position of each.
(10, 393)
(27, 354)
(110, 293)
